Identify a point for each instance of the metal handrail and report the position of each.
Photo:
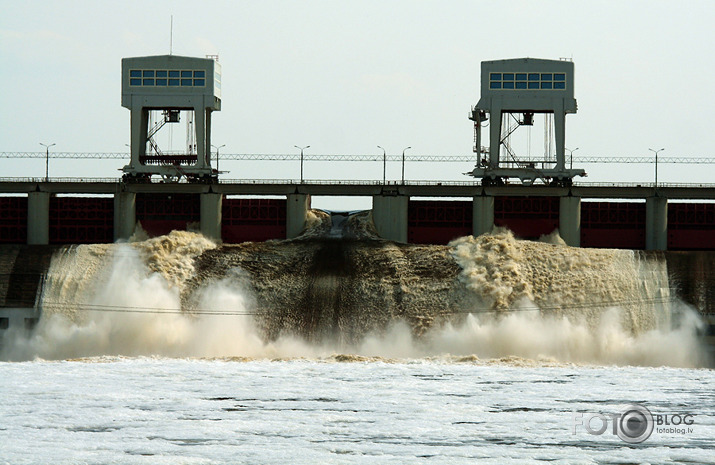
(351, 182)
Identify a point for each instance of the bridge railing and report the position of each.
(365, 157)
(349, 182)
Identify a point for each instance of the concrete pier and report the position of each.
(211, 215)
(297, 207)
(570, 220)
(389, 213)
(482, 215)
(656, 223)
(125, 215)
(38, 218)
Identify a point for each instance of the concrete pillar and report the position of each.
(296, 213)
(211, 215)
(482, 215)
(570, 220)
(200, 128)
(139, 128)
(389, 213)
(656, 223)
(494, 136)
(38, 218)
(125, 214)
(560, 135)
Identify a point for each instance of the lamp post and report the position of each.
(403, 163)
(571, 155)
(47, 160)
(217, 150)
(656, 164)
(301, 160)
(384, 164)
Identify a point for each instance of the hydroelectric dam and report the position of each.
(522, 236)
(39, 218)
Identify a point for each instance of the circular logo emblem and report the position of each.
(635, 425)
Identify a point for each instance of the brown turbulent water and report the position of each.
(324, 287)
(340, 289)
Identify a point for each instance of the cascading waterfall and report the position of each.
(349, 292)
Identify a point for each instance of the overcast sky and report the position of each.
(344, 77)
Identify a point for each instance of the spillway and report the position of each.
(338, 287)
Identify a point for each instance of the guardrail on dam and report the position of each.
(634, 216)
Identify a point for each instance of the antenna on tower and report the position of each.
(171, 36)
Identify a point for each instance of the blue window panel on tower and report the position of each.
(135, 73)
(148, 73)
(508, 76)
(174, 73)
(160, 82)
(521, 85)
(521, 76)
(546, 85)
(559, 77)
(161, 74)
(495, 76)
(559, 85)
(148, 82)
(199, 82)
(533, 85)
(185, 82)
(509, 85)
(533, 76)
(495, 85)
(546, 77)
(135, 82)
(186, 74)
(173, 82)
(199, 74)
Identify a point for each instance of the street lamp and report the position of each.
(571, 154)
(384, 164)
(47, 160)
(403, 163)
(656, 164)
(301, 160)
(217, 149)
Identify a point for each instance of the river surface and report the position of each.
(343, 409)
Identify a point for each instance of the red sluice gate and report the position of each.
(616, 225)
(13, 220)
(244, 220)
(527, 217)
(691, 226)
(81, 220)
(84, 220)
(438, 222)
(159, 214)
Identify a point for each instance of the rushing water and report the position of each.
(340, 347)
(324, 293)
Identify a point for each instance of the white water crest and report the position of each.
(562, 280)
(543, 302)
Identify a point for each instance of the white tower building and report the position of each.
(170, 84)
(523, 87)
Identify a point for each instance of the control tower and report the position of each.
(512, 91)
(166, 86)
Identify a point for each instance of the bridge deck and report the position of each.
(359, 188)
